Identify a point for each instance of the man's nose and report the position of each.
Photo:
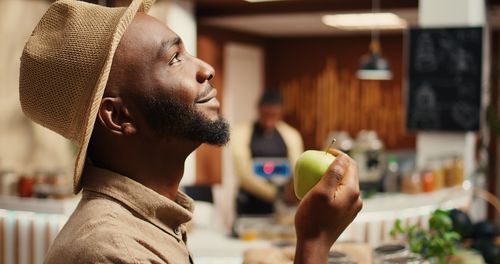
(205, 72)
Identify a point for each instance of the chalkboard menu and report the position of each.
(445, 69)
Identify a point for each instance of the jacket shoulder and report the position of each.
(93, 235)
(288, 129)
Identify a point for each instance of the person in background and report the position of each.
(123, 88)
(266, 137)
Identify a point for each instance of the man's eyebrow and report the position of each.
(167, 44)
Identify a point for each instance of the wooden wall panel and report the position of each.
(211, 42)
(209, 158)
(321, 92)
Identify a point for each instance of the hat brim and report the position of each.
(124, 22)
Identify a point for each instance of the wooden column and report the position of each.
(209, 158)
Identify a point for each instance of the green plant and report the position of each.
(439, 242)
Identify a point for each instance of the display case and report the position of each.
(29, 225)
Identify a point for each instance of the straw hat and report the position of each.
(65, 67)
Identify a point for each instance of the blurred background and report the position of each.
(408, 88)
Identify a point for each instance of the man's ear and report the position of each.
(115, 117)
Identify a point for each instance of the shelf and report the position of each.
(36, 205)
(384, 205)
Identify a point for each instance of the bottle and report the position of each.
(391, 180)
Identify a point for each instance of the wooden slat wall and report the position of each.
(335, 100)
(317, 78)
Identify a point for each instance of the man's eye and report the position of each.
(174, 59)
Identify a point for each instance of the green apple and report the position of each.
(309, 169)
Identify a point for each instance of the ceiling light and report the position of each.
(364, 21)
(373, 66)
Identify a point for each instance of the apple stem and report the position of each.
(329, 146)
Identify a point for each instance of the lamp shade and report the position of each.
(373, 66)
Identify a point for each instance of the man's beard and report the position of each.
(168, 117)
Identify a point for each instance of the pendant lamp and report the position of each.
(372, 65)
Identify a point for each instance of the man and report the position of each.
(268, 137)
(121, 83)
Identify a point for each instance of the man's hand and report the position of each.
(327, 209)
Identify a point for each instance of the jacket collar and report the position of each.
(157, 209)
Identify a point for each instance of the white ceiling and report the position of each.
(309, 24)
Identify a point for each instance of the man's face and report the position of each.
(269, 116)
(167, 89)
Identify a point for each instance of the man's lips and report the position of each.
(212, 94)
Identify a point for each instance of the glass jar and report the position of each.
(411, 183)
(458, 166)
(449, 173)
(439, 176)
(25, 186)
(8, 181)
(428, 181)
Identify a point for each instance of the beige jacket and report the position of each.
(242, 156)
(119, 220)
